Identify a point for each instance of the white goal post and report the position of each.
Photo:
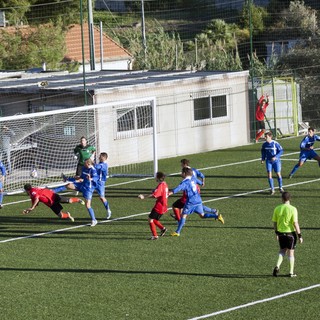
(36, 148)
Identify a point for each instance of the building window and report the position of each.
(211, 108)
(134, 121)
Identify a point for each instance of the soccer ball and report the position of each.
(34, 173)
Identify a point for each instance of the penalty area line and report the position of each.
(255, 302)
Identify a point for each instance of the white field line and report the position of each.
(256, 302)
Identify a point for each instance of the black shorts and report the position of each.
(56, 206)
(155, 215)
(178, 204)
(261, 125)
(287, 240)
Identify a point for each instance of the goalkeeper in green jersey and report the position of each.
(83, 151)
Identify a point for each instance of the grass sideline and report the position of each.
(112, 272)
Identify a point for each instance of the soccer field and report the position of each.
(54, 269)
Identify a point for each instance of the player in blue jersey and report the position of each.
(2, 179)
(306, 150)
(271, 152)
(86, 184)
(102, 171)
(193, 202)
(185, 163)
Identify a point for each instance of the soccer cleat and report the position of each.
(175, 234)
(275, 271)
(109, 214)
(220, 218)
(292, 275)
(173, 216)
(70, 217)
(64, 177)
(290, 176)
(163, 231)
(1, 206)
(154, 238)
(272, 192)
(281, 190)
(93, 223)
(81, 202)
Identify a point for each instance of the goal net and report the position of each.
(36, 148)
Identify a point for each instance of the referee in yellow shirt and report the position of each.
(287, 229)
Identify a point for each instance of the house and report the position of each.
(108, 54)
(195, 109)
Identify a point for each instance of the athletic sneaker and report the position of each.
(64, 177)
(290, 176)
(292, 275)
(275, 271)
(154, 238)
(81, 202)
(173, 216)
(163, 231)
(1, 206)
(175, 234)
(109, 214)
(70, 217)
(93, 223)
(272, 192)
(281, 190)
(220, 218)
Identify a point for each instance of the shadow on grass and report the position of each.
(173, 273)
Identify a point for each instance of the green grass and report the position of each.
(112, 272)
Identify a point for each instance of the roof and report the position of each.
(111, 49)
(108, 80)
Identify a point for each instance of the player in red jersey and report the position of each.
(261, 109)
(50, 199)
(160, 207)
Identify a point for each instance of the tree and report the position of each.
(15, 10)
(258, 17)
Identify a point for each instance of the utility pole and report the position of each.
(143, 30)
(91, 35)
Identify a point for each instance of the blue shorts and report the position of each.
(100, 188)
(87, 193)
(307, 155)
(191, 208)
(273, 165)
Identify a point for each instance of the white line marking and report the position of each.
(256, 302)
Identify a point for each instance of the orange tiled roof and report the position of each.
(111, 50)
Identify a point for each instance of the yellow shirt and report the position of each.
(285, 215)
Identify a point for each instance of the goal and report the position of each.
(36, 148)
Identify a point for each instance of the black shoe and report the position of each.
(163, 231)
(173, 216)
(275, 271)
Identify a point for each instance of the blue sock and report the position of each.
(295, 168)
(280, 182)
(210, 215)
(106, 205)
(181, 224)
(271, 183)
(1, 197)
(59, 189)
(91, 213)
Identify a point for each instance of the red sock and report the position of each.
(64, 215)
(153, 228)
(177, 213)
(259, 134)
(158, 224)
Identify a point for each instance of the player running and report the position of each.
(160, 207)
(271, 152)
(193, 201)
(50, 199)
(306, 150)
